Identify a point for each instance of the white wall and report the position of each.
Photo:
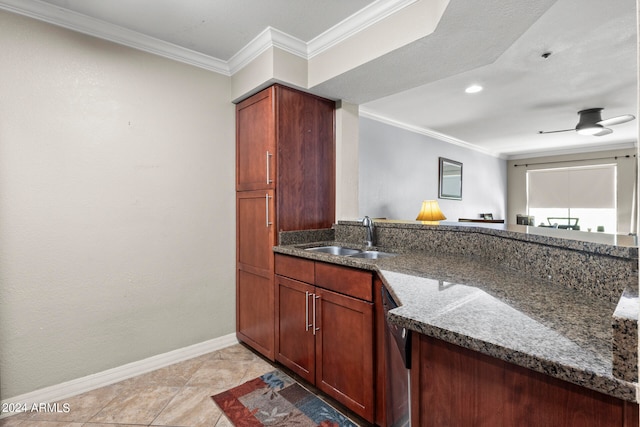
(116, 205)
(399, 169)
(347, 128)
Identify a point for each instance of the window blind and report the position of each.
(571, 188)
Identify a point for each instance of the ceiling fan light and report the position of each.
(590, 129)
(474, 89)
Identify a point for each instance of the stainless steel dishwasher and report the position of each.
(398, 363)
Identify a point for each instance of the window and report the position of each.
(580, 198)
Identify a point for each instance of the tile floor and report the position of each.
(178, 395)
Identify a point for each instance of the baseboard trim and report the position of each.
(90, 382)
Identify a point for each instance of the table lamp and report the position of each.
(430, 213)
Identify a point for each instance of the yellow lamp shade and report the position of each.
(430, 212)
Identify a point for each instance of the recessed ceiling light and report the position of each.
(473, 89)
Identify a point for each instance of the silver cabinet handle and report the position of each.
(306, 311)
(266, 198)
(315, 297)
(269, 181)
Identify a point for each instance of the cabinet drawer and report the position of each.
(345, 280)
(296, 268)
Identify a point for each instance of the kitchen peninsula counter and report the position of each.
(550, 322)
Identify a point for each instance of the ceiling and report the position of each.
(495, 43)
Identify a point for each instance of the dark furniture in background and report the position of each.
(525, 220)
(557, 222)
(489, 221)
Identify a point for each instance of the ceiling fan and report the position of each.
(591, 123)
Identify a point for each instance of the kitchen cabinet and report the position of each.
(254, 282)
(256, 145)
(295, 337)
(325, 329)
(285, 180)
(454, 386)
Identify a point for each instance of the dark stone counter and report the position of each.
(570, 321)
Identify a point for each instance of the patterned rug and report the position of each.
(275, 399)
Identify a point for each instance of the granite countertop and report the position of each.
(497, 311)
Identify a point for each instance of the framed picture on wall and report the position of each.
(450, 179)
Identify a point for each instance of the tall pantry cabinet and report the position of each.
(285, 180)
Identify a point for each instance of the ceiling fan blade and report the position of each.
(555, 131)
(604, 131)
(616, 120)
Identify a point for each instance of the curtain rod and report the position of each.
(576, 160)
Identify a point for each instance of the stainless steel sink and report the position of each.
(335, 250)
(352, 253)
(372, 255)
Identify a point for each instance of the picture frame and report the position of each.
(488, 216)
(450, 179)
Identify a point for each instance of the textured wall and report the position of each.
(399, 169)
(116, 188)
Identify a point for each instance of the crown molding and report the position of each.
(427, 132)
(519, 156)
(355, 23)
(574, 150)
(94, 27)
(268, 38)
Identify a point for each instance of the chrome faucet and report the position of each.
(368, 223)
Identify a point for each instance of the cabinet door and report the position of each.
(255, 295)
(295, 340)
(255, 231)
(255, 311)
(344, 351)
(255, 142)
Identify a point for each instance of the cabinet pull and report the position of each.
(266, 198)
(315, 297)
(307, 325)
(269, 181)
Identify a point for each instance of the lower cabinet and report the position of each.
(255, 308)
(324, 335)
(295, 336)
(454, 386)
(254, 271)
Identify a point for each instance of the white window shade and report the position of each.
(548, 188)
(593, 187)
(572, 188)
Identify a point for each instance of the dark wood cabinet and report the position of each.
(255, 233)
(344, 350)
(325, 336)
(254, 278)
(285, 141)
(255, 142)
(295, 339)
(285, 180)
(454, 386)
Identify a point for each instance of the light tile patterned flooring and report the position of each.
(178, 395)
